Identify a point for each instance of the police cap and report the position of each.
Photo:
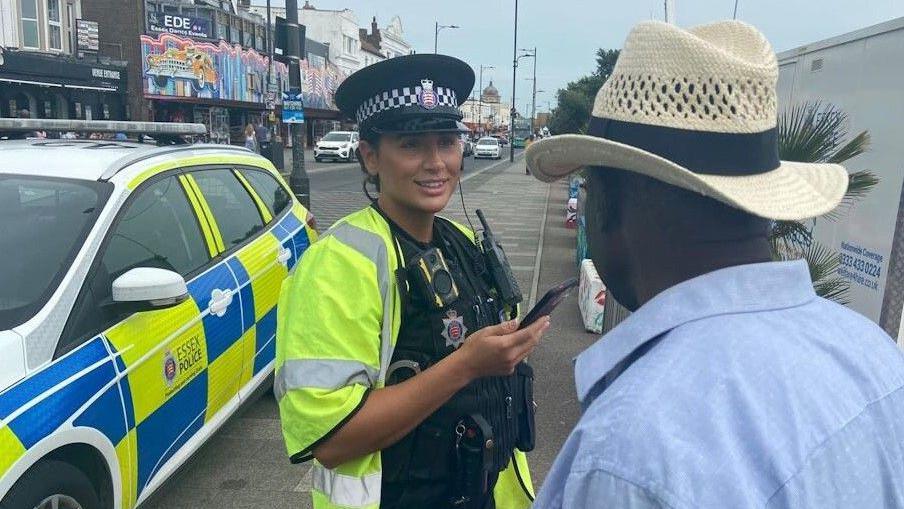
(408, 95)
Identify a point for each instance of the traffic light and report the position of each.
(288, 36)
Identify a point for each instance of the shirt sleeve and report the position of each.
(328, 343)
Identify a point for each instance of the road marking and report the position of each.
(490, 167)
(536, 281)
(338, 167)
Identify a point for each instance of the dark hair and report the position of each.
(373, 139)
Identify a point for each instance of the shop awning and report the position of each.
(30, 82)
(86, 87)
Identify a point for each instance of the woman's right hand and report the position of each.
(496, 350)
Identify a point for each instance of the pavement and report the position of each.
(245, 465)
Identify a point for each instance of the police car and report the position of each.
(138, 291)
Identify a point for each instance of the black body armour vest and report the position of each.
(421, 470)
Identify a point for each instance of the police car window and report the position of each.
(270, 191)
(233, 208)
(44, 222)
(158, 229)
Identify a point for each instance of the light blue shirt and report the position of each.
(739, 388)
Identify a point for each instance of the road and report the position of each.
(245, 465)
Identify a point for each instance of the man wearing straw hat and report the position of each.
(732, 384)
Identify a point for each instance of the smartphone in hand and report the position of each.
(550, 300)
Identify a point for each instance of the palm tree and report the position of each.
(814, 132)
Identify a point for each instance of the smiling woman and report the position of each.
(374, 376)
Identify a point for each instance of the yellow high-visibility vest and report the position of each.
(337, 324)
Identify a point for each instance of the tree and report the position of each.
(575, 101)
(817, 133)
(605, 62)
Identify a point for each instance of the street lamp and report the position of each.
(532, 53)
(514, 86)
(436, 30)
(480, 97)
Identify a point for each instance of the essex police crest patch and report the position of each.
(169, 367)
(427, 97)
(454, 329)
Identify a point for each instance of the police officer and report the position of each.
(399, 368)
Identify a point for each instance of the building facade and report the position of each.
(319, 80)
(44, 73)
(338, 29)
(393, 43)
(335, 48)
(199, 61)
(488, 114)
(371, 50)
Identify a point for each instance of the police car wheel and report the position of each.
(52, 484)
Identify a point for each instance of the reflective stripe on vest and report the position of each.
(345, 490)
(322, 374)
(372, 246)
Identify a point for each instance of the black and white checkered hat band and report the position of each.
(400, 98)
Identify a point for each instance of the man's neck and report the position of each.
(657, 274)
(418, 224)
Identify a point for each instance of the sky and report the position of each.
(567, 33)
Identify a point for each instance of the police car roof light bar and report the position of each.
(102, 126)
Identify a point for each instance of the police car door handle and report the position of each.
(283, 255)
(219, 301)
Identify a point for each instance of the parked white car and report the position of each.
(487, 147)
(467, 146)
(337, 145)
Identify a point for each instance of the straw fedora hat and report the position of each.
(696, 109)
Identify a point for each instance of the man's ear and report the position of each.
(369, 156)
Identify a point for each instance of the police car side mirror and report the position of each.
(147, 289)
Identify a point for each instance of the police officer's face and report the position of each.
(418, 173)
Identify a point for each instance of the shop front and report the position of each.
(220, 85)
(320, 80)
(59, 86)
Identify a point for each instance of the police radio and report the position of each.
(432, 279)
(498, 265)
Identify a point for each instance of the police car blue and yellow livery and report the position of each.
(108, 379)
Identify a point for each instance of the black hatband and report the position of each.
(709, 153)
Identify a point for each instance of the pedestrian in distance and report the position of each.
(400, 370)
(261, 132)
(250, 142)
(732, 384)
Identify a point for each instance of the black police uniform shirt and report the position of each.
(419, 470)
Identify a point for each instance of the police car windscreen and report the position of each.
(337, 137)
(44, 222)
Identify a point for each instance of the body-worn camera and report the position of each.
(430, 276)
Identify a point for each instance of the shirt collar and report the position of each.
(739, 289)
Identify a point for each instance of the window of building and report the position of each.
(259, 33)
(349, 44)
(54, 25)
(248, 35)
(30, 24)
(70, 30)
(236, 30)
(222, 28)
